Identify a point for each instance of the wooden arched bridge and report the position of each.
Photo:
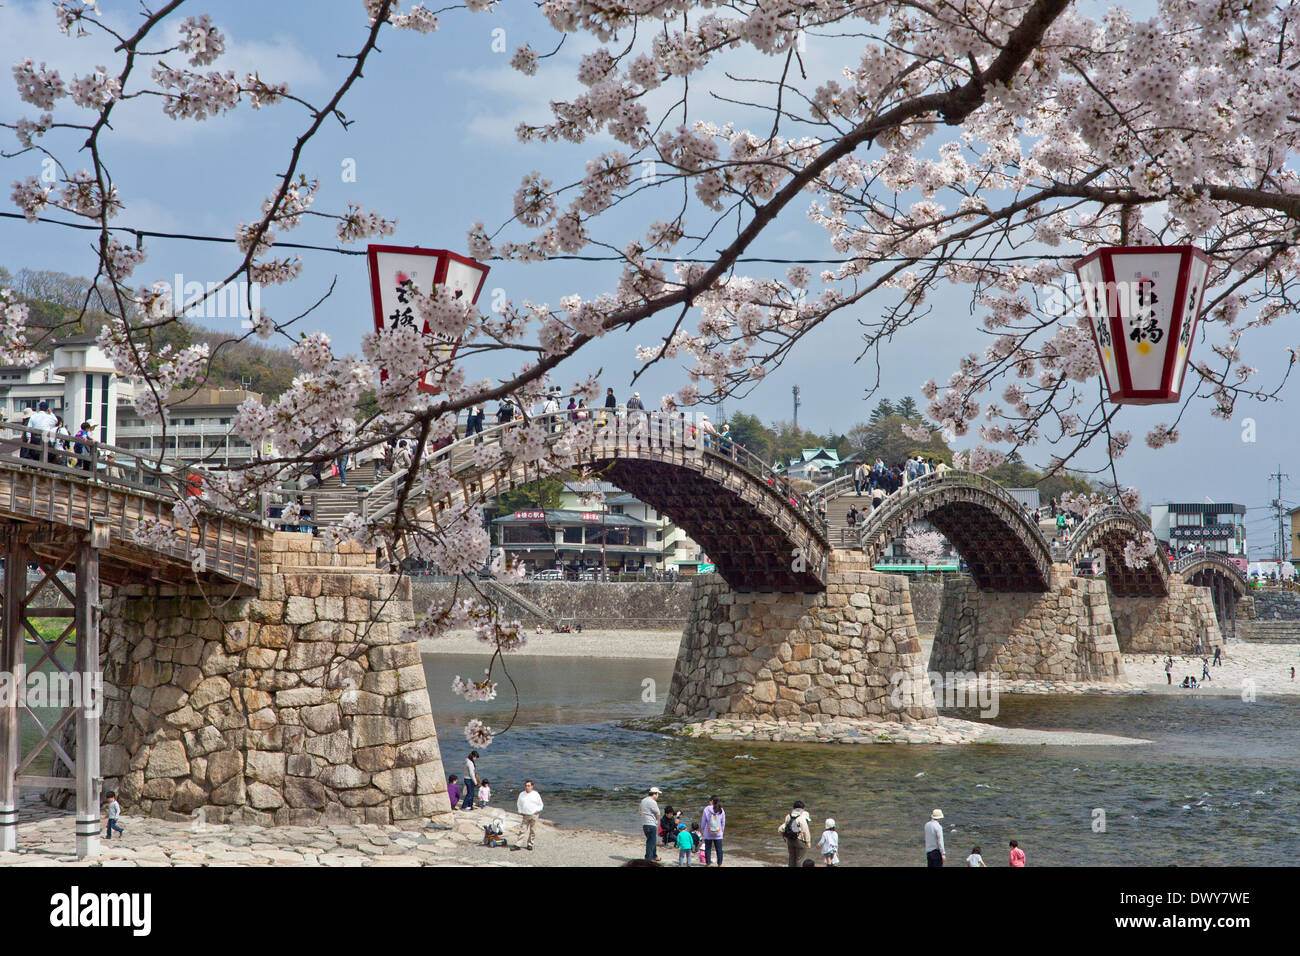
(1226, 583)
(1000, 540)
(755, 528)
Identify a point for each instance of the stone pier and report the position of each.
(838, 653)
(301, 705)
(1167, 625)
(1062, 634)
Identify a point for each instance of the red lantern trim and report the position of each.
(444, 256)
(1147, 396)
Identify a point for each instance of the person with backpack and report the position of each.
(82, 442)
(797, 833)
(713, 823)
(853, 517)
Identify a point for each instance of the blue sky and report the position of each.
(433, 146)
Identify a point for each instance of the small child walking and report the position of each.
(685, 845)
(976, 858)
(829, 844)
(484, 794)
(114, 810)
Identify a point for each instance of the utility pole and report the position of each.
(1279, 512)
(797, 403)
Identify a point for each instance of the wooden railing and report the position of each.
(656, 429)
(52, 477)
(1186, 561)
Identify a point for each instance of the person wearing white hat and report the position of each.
(650, 815)
(829, 844)
(934, 855)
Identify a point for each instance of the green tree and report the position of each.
(884, 408)
(543, 494)
(907, 408)
(749, 430)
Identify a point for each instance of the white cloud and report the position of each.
(30, 32)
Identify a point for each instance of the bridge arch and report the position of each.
(746, 517)
(1208, 568)
(1224, 580)
(1108, 530)
(1000, 543)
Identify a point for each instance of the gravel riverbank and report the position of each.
(46, 838)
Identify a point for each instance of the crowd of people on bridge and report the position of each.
(880, 480)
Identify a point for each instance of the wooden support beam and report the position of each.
(11, 663)
(89, 708)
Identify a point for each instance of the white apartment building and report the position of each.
(77, 380)
(199, 428)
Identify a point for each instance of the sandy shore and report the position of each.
(1267, 665)
(46, 838)
(644, 645)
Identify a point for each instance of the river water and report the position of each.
(1217, 785)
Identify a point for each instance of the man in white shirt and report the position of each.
(529, 807)
(44, 422)
(550, 410)
(650, 815)
(934, 855)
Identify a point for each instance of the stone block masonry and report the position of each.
(839, 653)
(1062, 634)
(300, 705)
(1167, 625)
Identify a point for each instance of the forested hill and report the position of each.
(54, 300)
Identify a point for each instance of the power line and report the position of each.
(192, 237)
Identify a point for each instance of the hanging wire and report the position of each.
(142, 234)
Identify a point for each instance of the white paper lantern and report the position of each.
(1144, 303)
(396, 270)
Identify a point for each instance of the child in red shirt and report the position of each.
(1017, 854)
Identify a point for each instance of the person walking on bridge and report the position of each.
(934, 854)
